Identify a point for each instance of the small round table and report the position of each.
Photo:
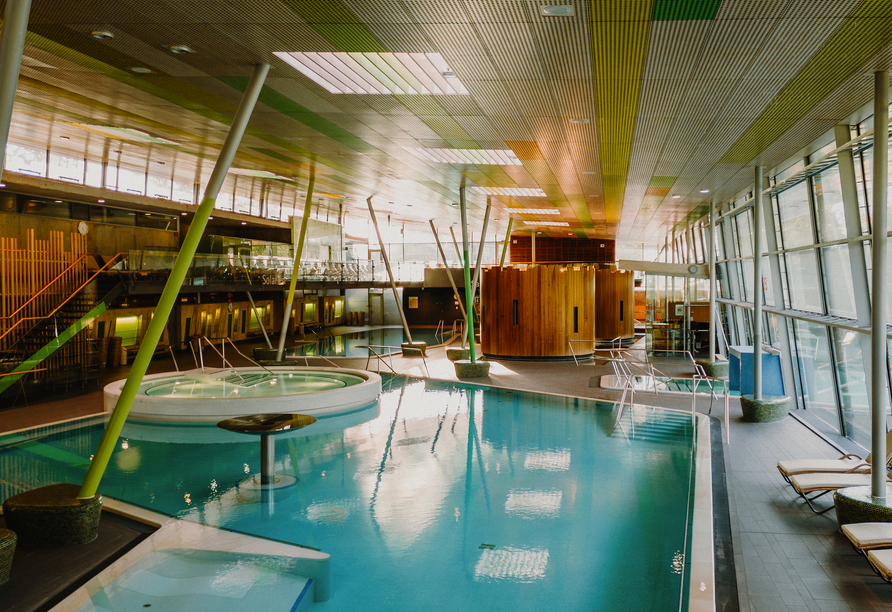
(267, 426)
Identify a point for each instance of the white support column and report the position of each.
(12, 44)
(879, 374)
(757, 285)
(712, 287)
(396, 295)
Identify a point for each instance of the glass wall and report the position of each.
(823, 298)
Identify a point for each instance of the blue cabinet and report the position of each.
(741, 371)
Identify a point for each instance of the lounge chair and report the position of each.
(825, 482)
(866, 536)
(881, 560)
(848, 463)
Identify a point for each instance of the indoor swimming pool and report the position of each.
(443, 496)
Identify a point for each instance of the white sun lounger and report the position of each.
(865, 536)
(822, 483)
(849, 462)
(881, 560)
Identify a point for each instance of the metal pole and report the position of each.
(448, 272)
(396, 295)
(757, 285)
(476, 278)
(507, 240)
(455, 244)
(878, 393)
(12, 43)
(172, 288)
(298, 251)
(259, 320)
(712, 346)
(533, 250)
(469, 294)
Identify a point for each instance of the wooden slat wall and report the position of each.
(25, 272)
(546, 296)
(566, 250)
(611, 289)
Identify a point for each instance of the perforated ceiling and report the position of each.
(611, 111)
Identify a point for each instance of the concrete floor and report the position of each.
(786, 557)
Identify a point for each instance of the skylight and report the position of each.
(377, 73)
(511, 191)
(535, 211)
(492, 157)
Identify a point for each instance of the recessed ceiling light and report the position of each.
(578, 120)
(244, 223)
(184, 213)
(490, 157)
(547, 223)
(376, 73)
(64, 137)
(58, 201)
(675, 196)
(101, 201)
(141, 70)
(102, 35)
(704, 191)
(558, 10)
(589, 173)
(180, 49)
(535, 211)
(210, 218)
(511, 191)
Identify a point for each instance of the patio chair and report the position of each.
(848, 463)
(822, 483)
(866, 536)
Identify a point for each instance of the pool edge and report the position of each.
(701, 596)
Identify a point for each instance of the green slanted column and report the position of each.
(172, 288)
(468, 368)
(298, 252)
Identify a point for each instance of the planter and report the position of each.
(7, 550)
(717, 369)
(466, 369)
(53, 516)
(766, 410)
(454, 354)
(414, 349)
(857, 505)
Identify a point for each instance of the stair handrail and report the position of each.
(47, 286)
(66, 300)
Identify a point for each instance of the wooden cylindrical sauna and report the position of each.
(534, 312)
(614, 305)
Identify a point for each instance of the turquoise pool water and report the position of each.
(346, 345)
(454, 497)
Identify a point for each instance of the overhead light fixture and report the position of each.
(558, 10)
(180, 49)
(102, 35)
(510, 191)
(244, 223)
(485, 157)
(578, 120)
(101, 201)
(184, 213)
(547, 223)
(675, 196)
(377, 73)
(588, 173)
(122, 133)
(141, 70)
(210, 218)
(535, 211)
(704, 191)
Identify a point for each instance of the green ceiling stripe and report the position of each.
(866, 31)
(335, 22)
(662, 182)
(580, 208)
(679, 10)
(619, 39)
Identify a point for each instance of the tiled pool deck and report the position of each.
(786, 557)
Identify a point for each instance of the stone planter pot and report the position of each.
(53, 516)
(766, 410)
(454, 354)
(414, 349)
(7, 550)
(466, 369)
(718, 369)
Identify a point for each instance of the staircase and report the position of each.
(52, 350)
